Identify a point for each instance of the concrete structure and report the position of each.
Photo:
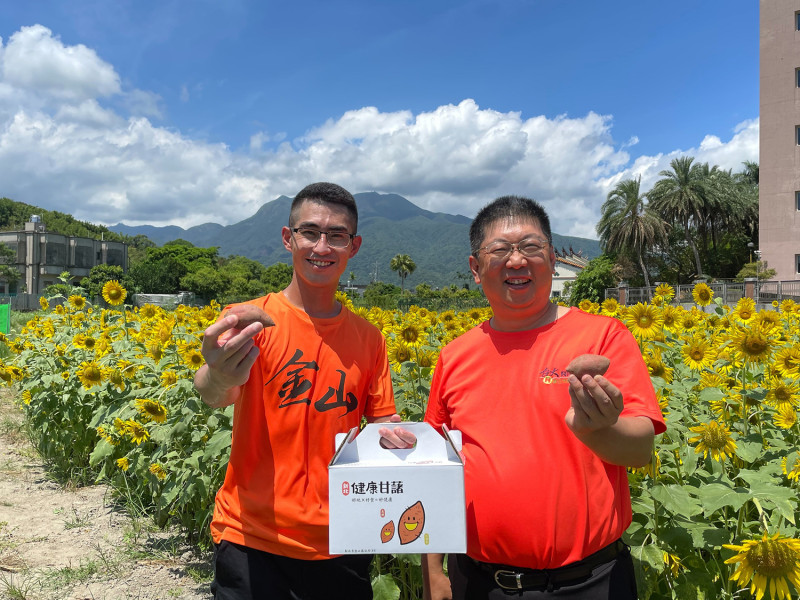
(43, 256)
(779, 156)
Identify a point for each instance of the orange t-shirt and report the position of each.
(536, 496)
(314, 378)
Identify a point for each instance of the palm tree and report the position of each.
(404, 266)
(682, 196)
(627, 223)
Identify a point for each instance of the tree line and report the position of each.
(697, 222)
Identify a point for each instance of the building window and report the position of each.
(797, 77)
(797, 263)
(797, 200)
(797, 20)
(797, 134)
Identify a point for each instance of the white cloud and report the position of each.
(34, 60)
(61, 149)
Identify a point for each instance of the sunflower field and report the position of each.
(108, 396)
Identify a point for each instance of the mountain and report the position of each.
(437, 242)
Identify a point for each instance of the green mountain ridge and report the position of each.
(390, 224)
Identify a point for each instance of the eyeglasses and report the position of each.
(529, 247)
(336, 239)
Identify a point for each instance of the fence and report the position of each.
(762, 292)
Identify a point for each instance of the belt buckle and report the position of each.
(517, 576)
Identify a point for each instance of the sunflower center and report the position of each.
(92, 373)
(773, 558)
(715, 438)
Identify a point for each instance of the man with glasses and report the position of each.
(317, 372)
(545, 452)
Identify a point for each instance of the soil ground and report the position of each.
(62, 543)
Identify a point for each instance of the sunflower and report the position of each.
(745, 309)
(713, 438)
(702, 294)
(658, 368)
(751, 345)
(89, 342)
(117, 379)
(148, 311)
(427, 357)
(791, 466)
(787, 361)
(670, 316)
(90, 374)
(159, 471)
(136, 431)
(193, 358)
(771, 562)
(673, 563)
(787, 306)
(698, 353)
(666, 291)
(151, 410)
(781, 391)
(169, 378)
(644, 321)
(785, 416)
(77, 302)
(768, 320)
(114, 293)
(609, 307)
(44, 303)
(27, 397)
(123, 463)
(410, 332)
(399, 352)
(155, 349)
(60, 309)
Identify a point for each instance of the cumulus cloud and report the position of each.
(36, 60)
(74, 139)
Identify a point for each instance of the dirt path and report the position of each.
(63, 544)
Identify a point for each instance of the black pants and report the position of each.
(613, 580)
(242, 573)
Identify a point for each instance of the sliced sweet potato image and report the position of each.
(411, 523)
(588, 364)
(249, 314)
(387, 532)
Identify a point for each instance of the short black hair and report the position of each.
(328, 193)
(507, 207)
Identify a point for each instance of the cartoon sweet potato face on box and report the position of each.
(387, 532)
(411, 523)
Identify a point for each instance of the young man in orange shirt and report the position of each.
(294, 386)
(545, 453)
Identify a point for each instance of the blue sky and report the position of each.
(179, 112)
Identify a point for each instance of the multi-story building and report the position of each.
(43, 256)
(779, 127)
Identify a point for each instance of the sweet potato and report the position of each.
(249, 314)
(588, 364)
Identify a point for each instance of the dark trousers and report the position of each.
(613, 580)
(242, 573)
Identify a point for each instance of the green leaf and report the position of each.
(650, 554)
(676, 499)
(384, 588)
(714, 496)
(101, 451)
(749, 451)
(218, 444)
(711, 394)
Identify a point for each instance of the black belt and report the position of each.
(519, 578)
